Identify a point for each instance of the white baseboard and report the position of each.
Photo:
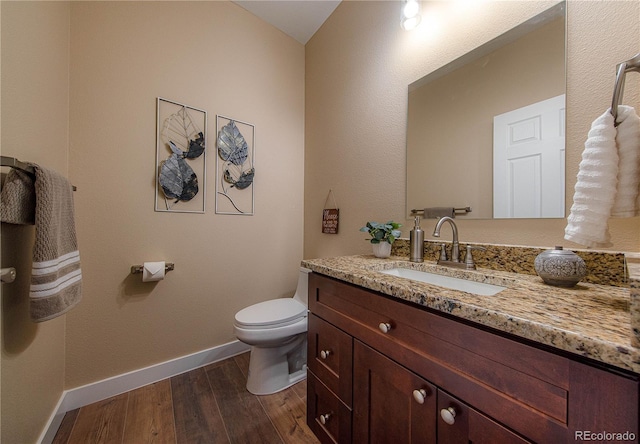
(97, 391)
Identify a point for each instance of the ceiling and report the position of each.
(299, 19)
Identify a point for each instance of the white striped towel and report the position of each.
(55, 276)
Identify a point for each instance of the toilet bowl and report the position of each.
(276, 330)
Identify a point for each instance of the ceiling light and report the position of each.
(411, 8)
(410, 14)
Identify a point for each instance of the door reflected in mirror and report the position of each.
(528, 161)
(497, 111)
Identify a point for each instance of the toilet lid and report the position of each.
(275, 311)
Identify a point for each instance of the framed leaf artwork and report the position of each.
(235, 167)
(180, 158)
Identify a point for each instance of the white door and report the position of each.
(528, 161)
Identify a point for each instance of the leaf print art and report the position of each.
(231, 144)
(235, 167)
(185, 141)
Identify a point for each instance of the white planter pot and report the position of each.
(382, 250)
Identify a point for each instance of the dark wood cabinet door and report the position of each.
(386, 409)
(603, 402)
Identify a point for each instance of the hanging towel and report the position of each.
(595, 188)
(628, 141)
(438, 212)
(55, 276)
(18, 199)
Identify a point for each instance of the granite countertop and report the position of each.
(589, 320)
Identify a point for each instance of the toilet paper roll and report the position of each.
(152, 271)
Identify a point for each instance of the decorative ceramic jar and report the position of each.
(382, 249)
(562, 268)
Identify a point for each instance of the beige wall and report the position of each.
(358, 67)
(35, 122)
(83, 101)
(213, 56)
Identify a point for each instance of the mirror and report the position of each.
(490, 100)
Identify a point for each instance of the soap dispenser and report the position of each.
(416, 242)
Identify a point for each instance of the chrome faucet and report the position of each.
(455, 245)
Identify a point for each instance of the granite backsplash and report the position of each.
(603, 267)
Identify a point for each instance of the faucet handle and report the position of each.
(443, 252)
(468, 260)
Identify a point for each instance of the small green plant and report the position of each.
(382, 232)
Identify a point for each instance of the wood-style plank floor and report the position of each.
(206, 405)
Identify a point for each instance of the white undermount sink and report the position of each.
(452, 283)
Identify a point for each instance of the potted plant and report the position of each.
(382, 236)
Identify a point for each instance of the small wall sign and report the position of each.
(330, 216)
(330, 220)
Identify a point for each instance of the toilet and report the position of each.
(276, 330)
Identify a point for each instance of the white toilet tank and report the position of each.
(302, 291)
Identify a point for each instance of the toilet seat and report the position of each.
(270, 314)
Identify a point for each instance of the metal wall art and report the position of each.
(180, 158)
(235, 168)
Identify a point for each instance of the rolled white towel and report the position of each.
(628, 141)
(595, 188)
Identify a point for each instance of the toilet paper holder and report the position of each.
(135, 269)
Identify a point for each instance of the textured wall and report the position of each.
(358, 67)
(35, 122)
(213, 56)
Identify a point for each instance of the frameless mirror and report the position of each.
(486, 132)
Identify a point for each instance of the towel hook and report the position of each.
(632, 64)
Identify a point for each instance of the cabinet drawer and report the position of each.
(329, 357)
(328, 418)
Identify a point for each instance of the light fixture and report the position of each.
(410, 14)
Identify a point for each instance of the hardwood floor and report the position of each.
(206, 405)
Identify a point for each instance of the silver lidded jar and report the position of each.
(559, 267)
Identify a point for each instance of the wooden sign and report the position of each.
(330, 220)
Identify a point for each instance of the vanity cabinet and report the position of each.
(385, 370)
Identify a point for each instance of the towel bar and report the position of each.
(15, 163)
(7, 275)
(457, 210)
(135, 269)
(632, 64)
